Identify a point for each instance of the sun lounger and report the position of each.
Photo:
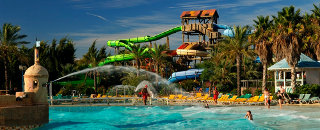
(232, 99)
(299, 99)
(243, 98)
(306, 98)
(171, 97)
(253, 99)
(224, 98)
(205, 97)
(314, 100)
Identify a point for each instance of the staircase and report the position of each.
(206, 29)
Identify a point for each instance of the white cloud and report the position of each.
(98, 16)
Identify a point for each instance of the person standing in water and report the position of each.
(266, 97)
(145, 94)
(281, 96)
(215, 95)
(248, 115)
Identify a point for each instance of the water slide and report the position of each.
(127, 43)
(123, 57)
(183, 75)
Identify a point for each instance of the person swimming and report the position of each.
(206, 106)
(248, 115)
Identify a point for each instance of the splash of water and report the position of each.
(110, 69)
(151, 90)
(114, 69)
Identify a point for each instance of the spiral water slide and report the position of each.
(183, 75)
(128, 43)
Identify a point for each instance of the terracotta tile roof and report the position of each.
(199, 13)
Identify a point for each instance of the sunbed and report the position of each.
(224, 98)
(254, 99)
(299, 99)
(314, 100)
(232, 99)
(243, 98)
(306, 98)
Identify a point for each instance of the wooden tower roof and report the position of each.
(199, 14)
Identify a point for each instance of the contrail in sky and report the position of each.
(98, 16)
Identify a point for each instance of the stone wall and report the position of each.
(24, 115)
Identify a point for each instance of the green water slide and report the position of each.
(127, 43)
(123, 57)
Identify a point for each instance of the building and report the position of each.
(307, 70)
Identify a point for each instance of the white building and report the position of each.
(308, 72)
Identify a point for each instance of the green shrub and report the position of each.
(247, 91)
(313, 89)
(234, 92)
(258, 92)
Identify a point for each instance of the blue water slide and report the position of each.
(183, 75)
(221, 26)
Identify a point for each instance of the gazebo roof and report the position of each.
(304, 62)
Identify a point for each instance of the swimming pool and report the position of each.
(182, 117)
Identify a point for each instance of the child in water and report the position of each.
(248, 115)
(206, 106)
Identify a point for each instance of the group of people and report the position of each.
(280, 94)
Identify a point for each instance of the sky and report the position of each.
(84, 21)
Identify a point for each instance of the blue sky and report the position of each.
(86, 20)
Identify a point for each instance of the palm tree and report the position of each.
(262, 44)
(157, 55)
(137, 53)
(235, 47)
(316, 30)
(289, 30)
(9, 36)
(93, 57)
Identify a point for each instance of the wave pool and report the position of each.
(182, 117)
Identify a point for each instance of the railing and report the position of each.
(205, 29)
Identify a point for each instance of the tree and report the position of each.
(93, 57)
(9, 37)
(262, 44)
(315, 25)
(289, 31)
(235, 47)
(157, 55)
(138, 54)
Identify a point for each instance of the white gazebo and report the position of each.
(307, 70)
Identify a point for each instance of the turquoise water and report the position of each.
(182, 117)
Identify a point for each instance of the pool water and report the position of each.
(182, 117)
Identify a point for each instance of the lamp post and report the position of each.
(22, 68)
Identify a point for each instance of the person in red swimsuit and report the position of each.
(145, 94)
(215, 96)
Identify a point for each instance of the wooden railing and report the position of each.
(206, 29)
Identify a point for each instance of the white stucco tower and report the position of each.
(34, 79)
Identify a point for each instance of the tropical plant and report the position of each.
(233, 48)
(133, 79)
(315, 25)
(289, 34)
(93, 57)
(9, 36)
(262, 44)
(158, 56)
(137, 53)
